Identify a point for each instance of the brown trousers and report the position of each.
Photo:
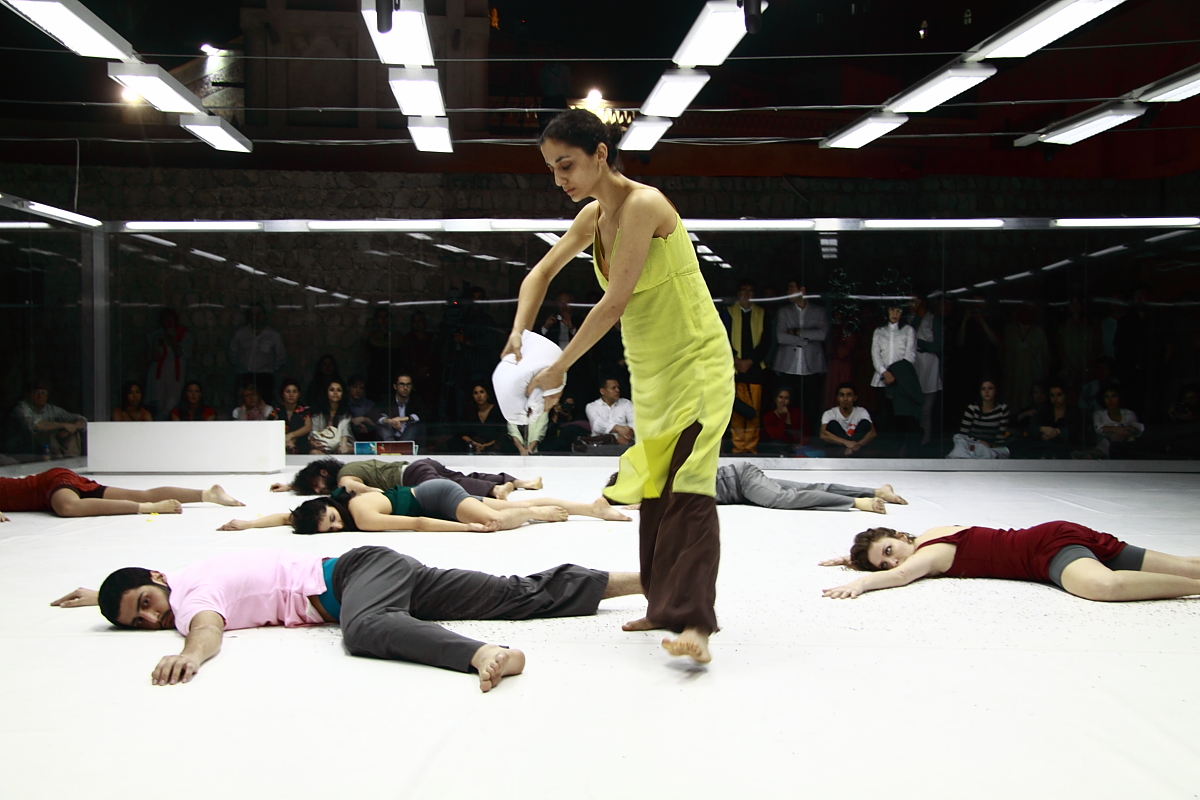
(680, 551)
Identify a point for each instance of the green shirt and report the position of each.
(377, 474)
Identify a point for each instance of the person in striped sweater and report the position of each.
(987, 420)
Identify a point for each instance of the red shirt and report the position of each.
(1021, 554)
(790, 430)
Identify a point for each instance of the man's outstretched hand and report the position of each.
(79, 597)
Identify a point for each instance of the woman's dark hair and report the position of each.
(788, 389)
(321, 404)
(182, 405)
(863, 541)
(583, 129)
(307, 516)
(846, 385)
(286, 383)
(1109, 386)
(127, 386)
(302, 484)
(485, 387)
(116, 585)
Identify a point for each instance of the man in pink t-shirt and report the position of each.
(385, 602)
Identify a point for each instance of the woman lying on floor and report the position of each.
(70, 495)
(1084, 562)
(437, 505)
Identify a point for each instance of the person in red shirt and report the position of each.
(70, 495)
(783, 427)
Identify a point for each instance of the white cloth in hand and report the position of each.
(511, 378)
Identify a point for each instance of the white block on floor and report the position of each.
(191, 447)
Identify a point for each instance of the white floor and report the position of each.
(948, 688)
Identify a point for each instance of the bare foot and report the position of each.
(501, 491)
(888, 495)
(602, 510)
(689, 643)
(161, 507)
(873, 504)
(643, 624)
(493, 663)
(549, 513)
(219, 496)
(534, 484)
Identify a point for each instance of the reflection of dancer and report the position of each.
(745, 484)
(1084, 562)
(70, 495)
(679, 363)
(326, 474)
(382, 599)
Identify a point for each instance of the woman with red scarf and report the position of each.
(170, 349)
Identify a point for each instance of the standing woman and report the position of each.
(679, 364)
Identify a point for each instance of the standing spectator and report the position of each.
(420, 354)
(191, 406)
(297, 418)
(1117, 309)
(928, 327)
(846, 425)
(1077, 343)
(611, 413)
(256, 351)
(326, 371)
(253, 408)
(331, 422)
(363, 413)
(382, 358)
(978, 347)
(131, 409)
(802, 328)
(402, 418)
(783, 427)
(170, 350)
(987, 420)
(1116, 427)
(36, 426)
(843, 339)
(559, 325)
(747, 335)
(485, 430)
(893, 353)
(1026, 355)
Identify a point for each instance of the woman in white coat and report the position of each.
(891, 343)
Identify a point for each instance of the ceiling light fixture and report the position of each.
(718, 28)
(195, 225)
(408, 41)
(209, 256)
(431, 134)
(60, 214)
(24, 226)
(1018, 276)
(145, 237)
(946, 84)
(157, 86)
(712, 225)
(1042, 26)
(1170, 235)
(451, 248)
(217, 132)
(674, 92)
(369, 225)
(1130, 222)
(417, 91)
(644, 133)
(1056, 265)
(530, 224)
(1172, 89)
(549, 238)
(930, 224)
(1108, 250)
(77, 28)
(865, 130)
(1087, 124)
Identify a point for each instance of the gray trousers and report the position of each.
(388, 600)
(759, 490)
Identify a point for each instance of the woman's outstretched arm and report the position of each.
(370, 520)
(922, 563)
(269, 521)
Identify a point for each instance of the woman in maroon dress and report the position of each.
(1084, 562)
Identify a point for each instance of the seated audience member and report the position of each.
(1187, 407)
(191, 406)
(1039, 402)
(401, 418)
(1116, 427)
(253, 407)
(35, 425)
(1057, 430)
(987, 420)
(298, 418)
(363, 413)
(326, 371)
(70, 495)
(847, 425)
(526, 438)
(611, 413)
(131, 409)
(1089, 394)
(563, 428)
(381, 617)
(324, 474)
(331, 423)
(484, 430)
(783, 427)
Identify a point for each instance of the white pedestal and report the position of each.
(185, 447)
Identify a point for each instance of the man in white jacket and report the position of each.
(801, 328)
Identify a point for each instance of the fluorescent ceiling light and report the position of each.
(530, 224)
(1018, 276)
(1134, 222)
(1049, 22)
(1056, 265)
(209, 50)
(316, 289)
(363, 302)
(425, 237)
(930, 224)
(1170, 235)
(285, 280)
(515, 263)
(941, 87)
(24, 226)
(195, 225)
(476, 225)
(1108, 250)
(829, 242)
(1179, 86)
(674, 92)
(549, 238)
(985, 284)
(340, 296)
(693, 237)
(643, 134)
(718, 28)
(71, 23)
(216, 131)
(145, 237)
(957, 291)
(711, 258)
(703, 248)
(408, 41)
(431, 134)
(711, 225)
(159, 88)
(368, 225)
(209, 256)
(250, 269)
(58, 213)
(1089, 124)
(451, 248)
(417, 91)
(867, 129)
(483, 257)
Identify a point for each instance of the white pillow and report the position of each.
(511, 378)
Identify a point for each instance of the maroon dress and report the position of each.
(33, 493)
(1021, 554)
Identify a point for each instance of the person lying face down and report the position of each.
(437, 505)
(384, 601)
(326, 474)
(1087, 563)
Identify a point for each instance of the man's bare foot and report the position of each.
(493, 663)
(643, 624)
(689, 643)
(534, 484)
(888, 495)
(549, 513)
(162, 507)
(219, 496)
(873, 504)
(603, 510)
(501, 491)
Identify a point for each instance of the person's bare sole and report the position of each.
(888, 495)
(161, 507)
(875, 505)
(643, 624)
(217, 495)
(549, 513)
(494, 663)
(604, 510)
(534, 484)
(501, 491)
(689, 643)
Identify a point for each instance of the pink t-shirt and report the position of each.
(250, 589)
